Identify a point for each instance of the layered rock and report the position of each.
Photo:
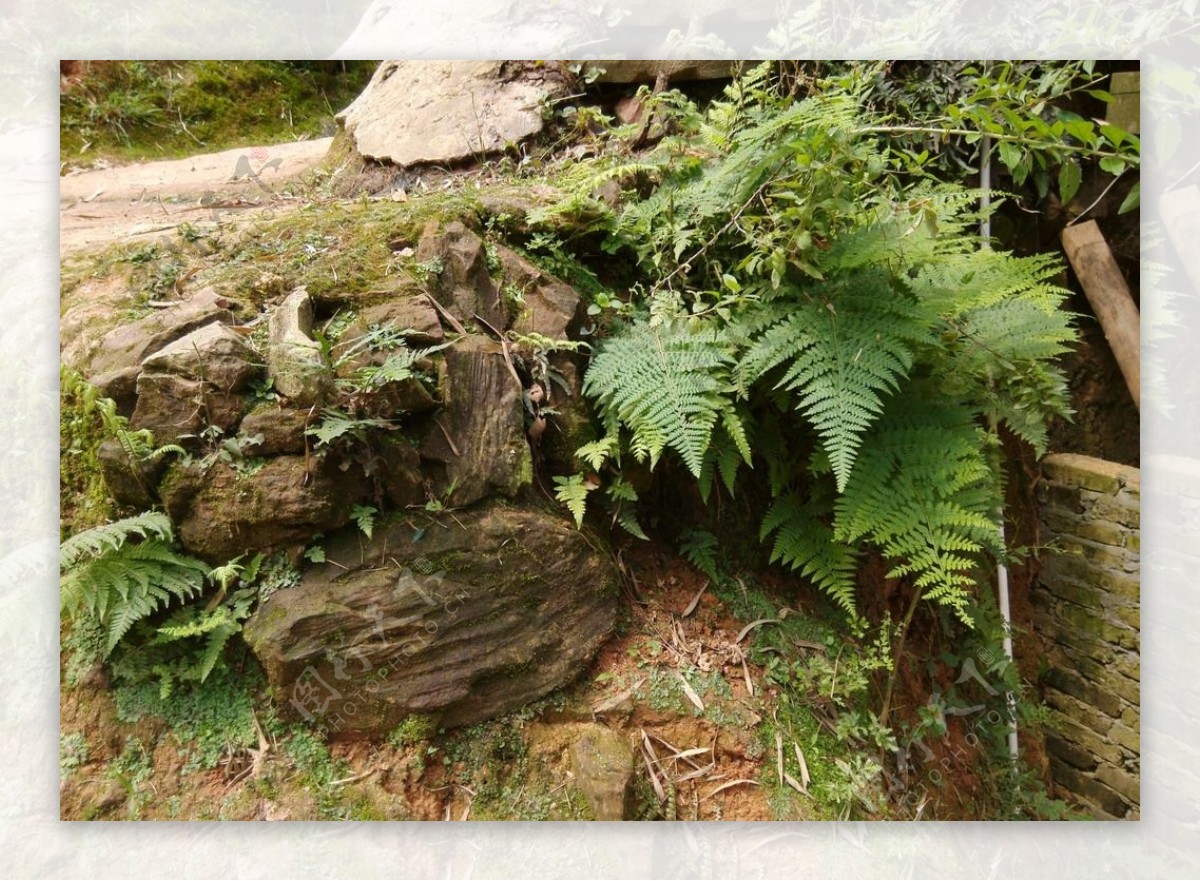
(477, 441)
(463, 619)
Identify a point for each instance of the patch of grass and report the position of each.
(344, 251)
(319, 770)
(128, 111)
(211, 719)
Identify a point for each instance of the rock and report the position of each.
(130, 483)
(603, 763)
(212, 353)
(399, 473)
(220, 513)
(629, 110)
(121, 386)
(647, 71)
(509, 209)
(127, 346)
(478, 440)
(407, 397)
(548, 306)
(571, 426)
(280, 429)
(295, 361)
(463, 285)
(416, 112)
(411, 314)
(464, 620)
(174, 408)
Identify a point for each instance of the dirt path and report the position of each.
(129, 202)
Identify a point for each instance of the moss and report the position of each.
(85, 501)
(139, 110)
(415, 729)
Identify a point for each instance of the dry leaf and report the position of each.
(754, 624)
(803, 765)
(691, 607)
(724, 786)
(690, 692)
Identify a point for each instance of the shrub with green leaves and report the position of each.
(825, 313)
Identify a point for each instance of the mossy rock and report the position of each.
(465, 619)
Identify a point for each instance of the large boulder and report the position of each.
(114, 363)
(545, 305)
(418, 112)
(269, 431)
(409, 314)
(476, 443)
(222, 511)
(464, 619)
(177, 409)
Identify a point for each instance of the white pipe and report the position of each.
(985, 233)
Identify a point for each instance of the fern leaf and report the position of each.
(596, 453)
(668, 384)
(807, 545)
(573, 492)
(699, 547)
(925, 495)
(111, 536)
(842, 356)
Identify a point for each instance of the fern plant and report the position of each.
(188, 646)
(122, 572)
(816, 313)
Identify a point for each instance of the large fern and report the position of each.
(187, 647)
(811, 311)
(842, 347)
(670, 384)
(924, 494)
(118, 581)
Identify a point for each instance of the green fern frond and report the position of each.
(573, 492)
(119, 582)
(933, 459)
(841, 355)
(700, 547)
(110, 536)
(668, 384)
(806, 544)
(596, 453)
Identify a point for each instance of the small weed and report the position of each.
(213, 719)
(413, 730)
(73, 753)
(131, 769)
(427, 269)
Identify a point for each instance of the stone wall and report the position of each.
(1087, 612)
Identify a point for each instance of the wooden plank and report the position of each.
(1125, 111)
(1111, 301)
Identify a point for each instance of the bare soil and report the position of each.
(132, 202)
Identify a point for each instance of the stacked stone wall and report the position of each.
(1087, 612)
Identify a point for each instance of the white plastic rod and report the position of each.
(985, 233)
